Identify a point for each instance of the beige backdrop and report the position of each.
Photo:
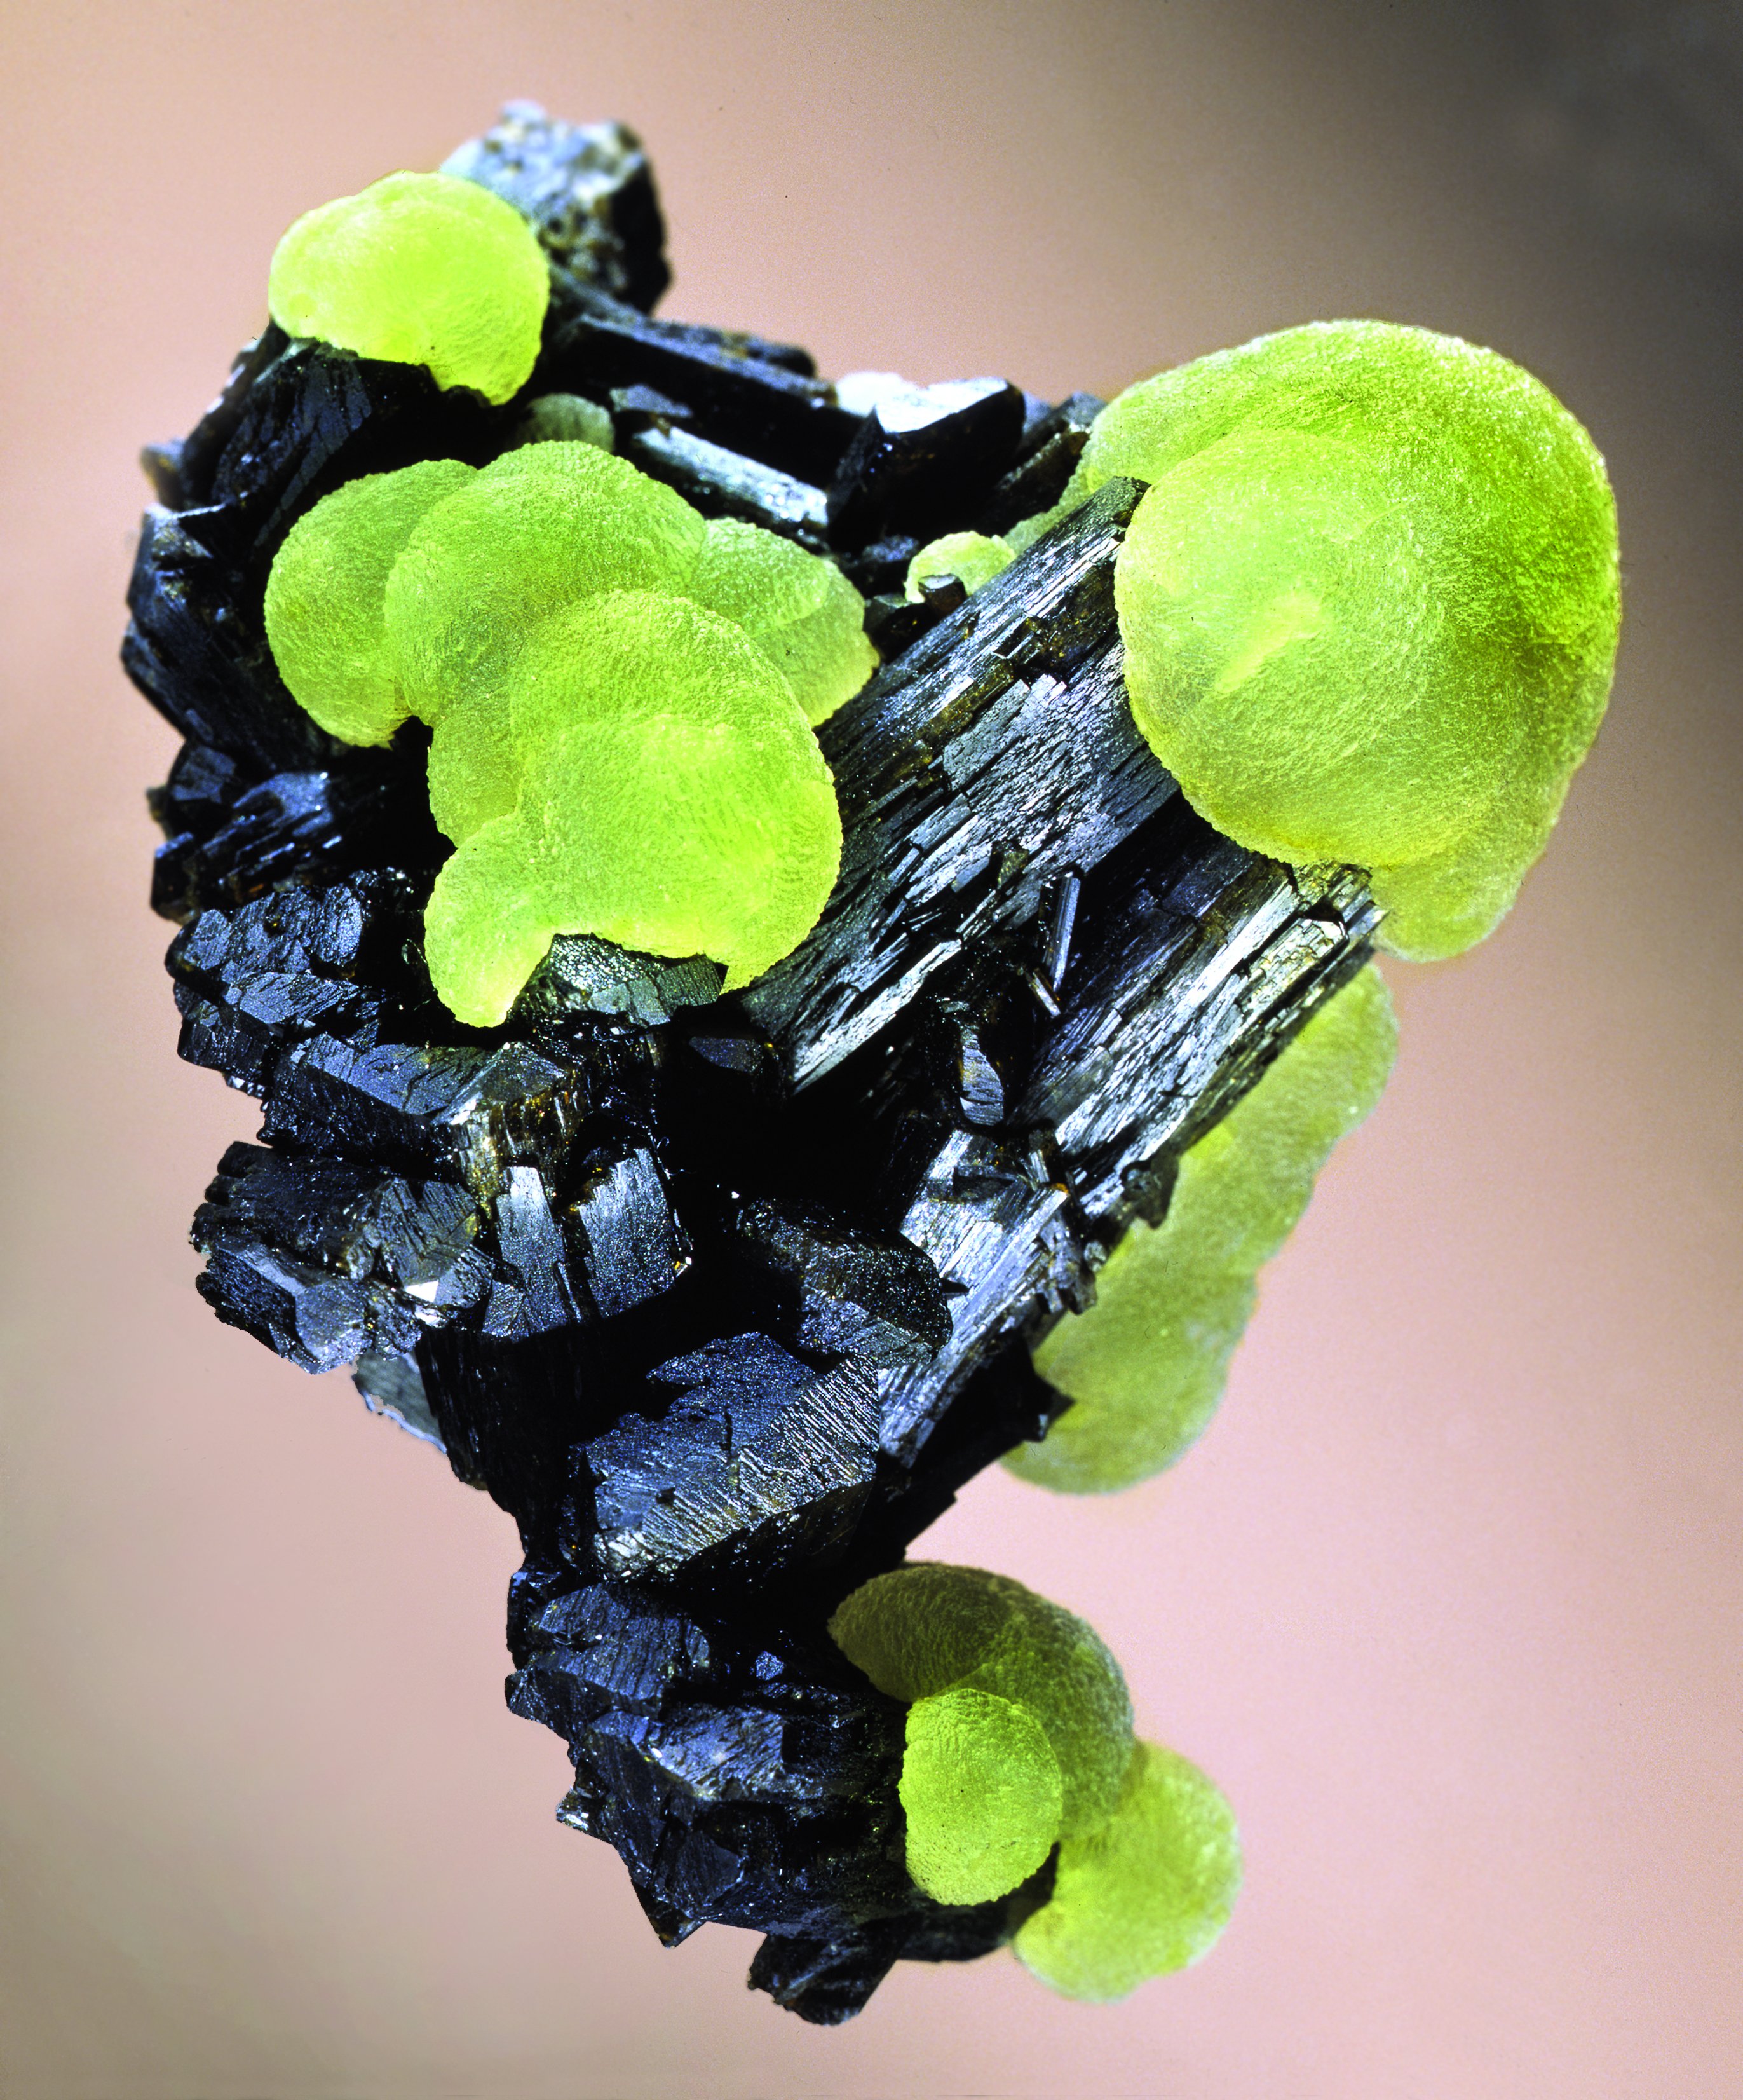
(1448, 1599)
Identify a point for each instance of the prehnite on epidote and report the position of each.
(973, 558)
(419, 269)
(1144, 1366)
(1019, 1738)
(620, 692)
(1369, 605)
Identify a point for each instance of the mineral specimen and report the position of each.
(723, 1277)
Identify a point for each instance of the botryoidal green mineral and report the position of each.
(1144, 1365)
(1370, 604)
(1148, 1893)
(419, 269)
(621, 695)
(1018, 1737)
(671, 798)
(974, 558)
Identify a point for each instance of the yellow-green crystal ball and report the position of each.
(538, 532)
(1370, 607)
(671, 798)
(980, 1791)
(418, 269)
(1148, 1892)
(326, 621)
(801, 612)
(927, 1629)
(1144, 1365)
(973, 558)
(619, 695)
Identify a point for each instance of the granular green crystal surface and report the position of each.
(418, 269)
(671, 798)
(801, 612)
(537, 529)
(927, 1629)
(618, 687)
(974, 558)
(326, 618)
(1370, 605)
(1149, 1891)
(980, 1788)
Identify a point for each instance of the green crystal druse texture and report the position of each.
(671, 798)
(1144, 1367)
(974, 558)
(927, 1629)
(620, 693)
(326, 598)
(1018, 1740)
(982, 1792)
(418, 269)
(1370, 607)
(1149, 1892)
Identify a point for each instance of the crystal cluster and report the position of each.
(722, 1298)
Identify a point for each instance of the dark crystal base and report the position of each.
(722, 1300)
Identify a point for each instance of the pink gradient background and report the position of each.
(1448, 1598)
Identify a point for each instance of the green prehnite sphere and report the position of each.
(326, 620)
(801, 612)
(670, 797)
(1018, 1737)
(1148, 1892)
(980, 1789)
(419, 269)
(973, 558)
(619, 695)
(1369, 605)
(926, 1628)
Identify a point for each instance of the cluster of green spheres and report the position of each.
(1018, 1740)
(621, 695)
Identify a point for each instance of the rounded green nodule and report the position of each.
(537, 533)
(1148, 1892)
(980, 1790)
(973, 558)
(1370, 604)
(619, 694)
(670, 797)
(1144, 1366)
(566, 419)
(419, 269)
(325, 597)
(927, 1629)
(801, 612)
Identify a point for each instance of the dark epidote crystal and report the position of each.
(722, 1298)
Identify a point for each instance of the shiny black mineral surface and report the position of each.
(722, 1299)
